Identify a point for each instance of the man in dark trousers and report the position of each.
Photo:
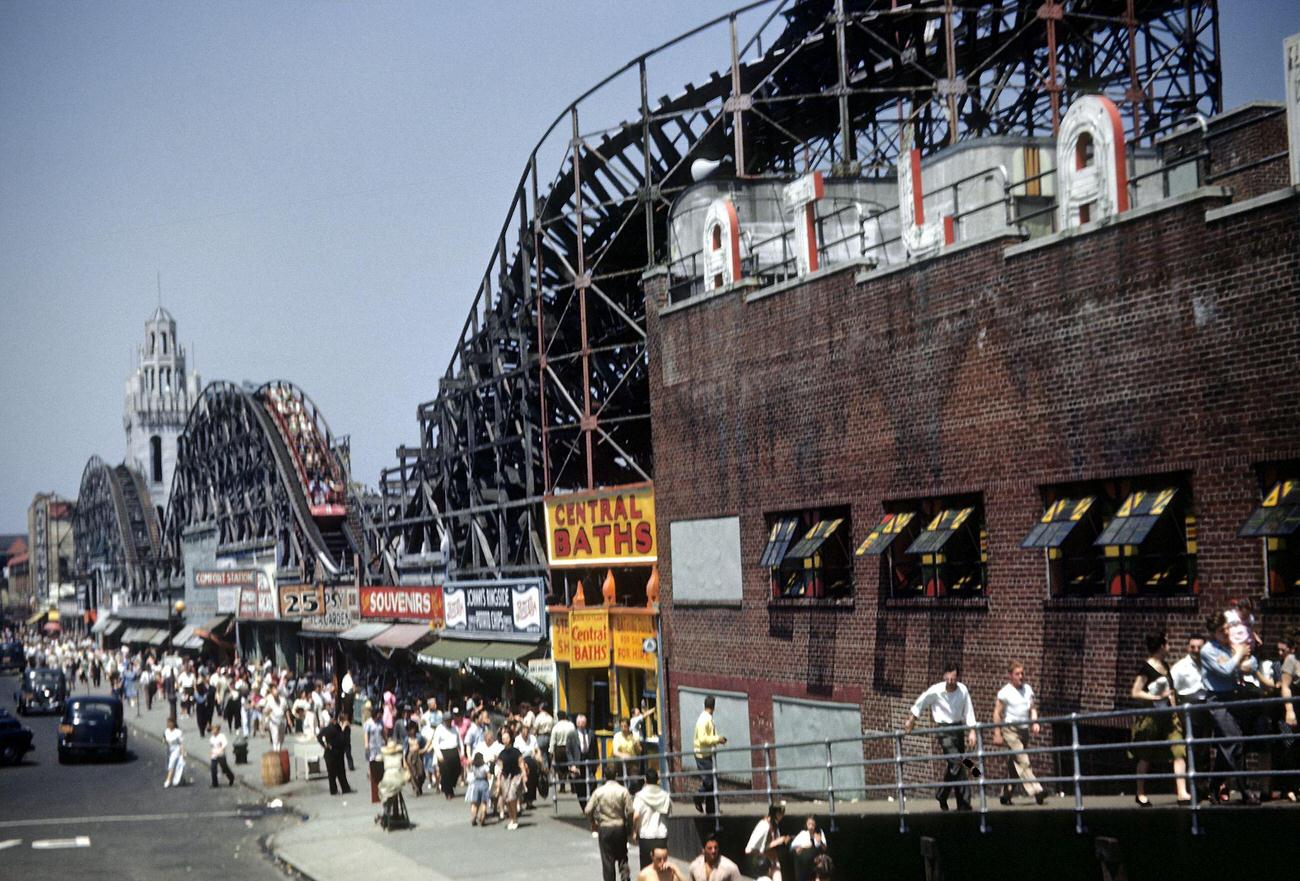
(583, 755)
(332, 738)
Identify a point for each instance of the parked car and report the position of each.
(12, 656)
(92, 725)
(41, 690)
(15, 739)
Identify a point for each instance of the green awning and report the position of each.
(475, 650)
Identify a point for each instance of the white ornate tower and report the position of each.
(158, 399)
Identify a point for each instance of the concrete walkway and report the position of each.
(340, 841)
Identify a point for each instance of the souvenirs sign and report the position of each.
(422, 604)
(613, 527)
(495, 609)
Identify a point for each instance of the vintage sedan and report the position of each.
(15, 739)
(92, 725)
(41, 690)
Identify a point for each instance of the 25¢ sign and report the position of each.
(301, 600)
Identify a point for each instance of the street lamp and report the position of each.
(179, 608)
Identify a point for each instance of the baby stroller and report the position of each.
(394, 815)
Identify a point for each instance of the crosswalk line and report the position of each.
(58, 843)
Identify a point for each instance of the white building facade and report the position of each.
(158, 399)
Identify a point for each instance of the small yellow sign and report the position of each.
(588, 639)
(561, 650)
(631, 633)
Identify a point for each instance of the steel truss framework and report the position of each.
(547, 390)
(249, 465)
(116, 533)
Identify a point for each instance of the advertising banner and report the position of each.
(635, 644)
(561, 651)
(423, 604)
(341, 611)
(588, 638)
(300, 600)
(219, 578)
(613, 527)
(510, 609)
(259, 602)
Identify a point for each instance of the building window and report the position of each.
(931, 548)
(155, 459)
(164, 341)
(807, 554)
(1276, 522)
(1121, 537)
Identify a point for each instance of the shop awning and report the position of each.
(474, 650)
(889, 528)
(102, 624)
(211, 627)
(1278, 516)
(184, 636)
(1136, 518)
(38, 616)
(1056, 524)
(402, 636)
(157, 637)
(364, 632)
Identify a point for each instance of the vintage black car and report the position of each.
(92, 725)
(41, 690)
(12, 656)
(15, 740)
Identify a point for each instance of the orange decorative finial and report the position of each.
(607, 589)
(579, 599)
(652, 587)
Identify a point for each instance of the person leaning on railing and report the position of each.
(1152, 686)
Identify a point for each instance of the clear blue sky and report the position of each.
(319, 184)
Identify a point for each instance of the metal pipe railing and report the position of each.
(756, 773)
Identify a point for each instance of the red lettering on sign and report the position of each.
(622, 539)
(562, 546)
(581, 544)
(601, 532)
(620, 508)
(645, 540)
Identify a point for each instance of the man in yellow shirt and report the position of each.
(625, 749)
(707, 740)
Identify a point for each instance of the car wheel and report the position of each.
(10, 756)
(63, 757)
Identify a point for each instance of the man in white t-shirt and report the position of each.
(218, 743)
(949, 703)
(1016, 712)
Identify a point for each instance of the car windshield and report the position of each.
(91, 713)
(45, 678)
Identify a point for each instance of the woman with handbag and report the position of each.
(1152, 687)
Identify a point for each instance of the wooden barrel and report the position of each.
(272, 773)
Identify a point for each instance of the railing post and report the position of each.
(830, 784)
(767, 769)
(1189, 746)
(1079, 827)
(898, 783)
(979, 767)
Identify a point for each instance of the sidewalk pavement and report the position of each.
(340, 841)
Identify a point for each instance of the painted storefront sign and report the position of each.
(588, 639)
(633, 635)
(422, 604)
(341, 611)
(495, 609)
(610, 527)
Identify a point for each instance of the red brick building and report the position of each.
(1146, 368)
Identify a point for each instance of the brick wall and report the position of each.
(1162, 343)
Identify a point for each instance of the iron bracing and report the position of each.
(116, 534)
(260, 468)
(547, 389)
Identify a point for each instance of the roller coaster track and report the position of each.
(237, 475)
(547, 390)
(117, 537)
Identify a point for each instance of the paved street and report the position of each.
(129, 827)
